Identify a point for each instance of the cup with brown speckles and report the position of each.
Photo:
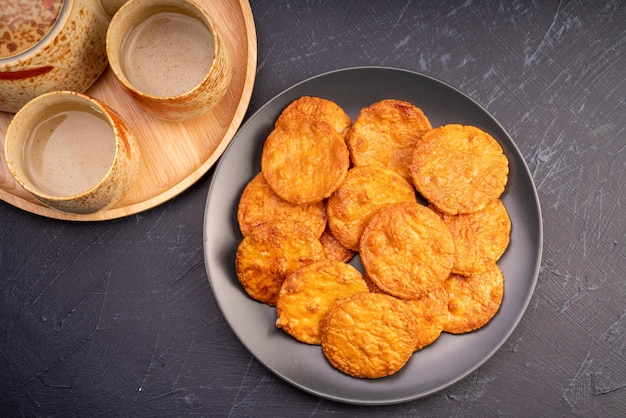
(169, 56)
(71, 152)
(49, 45)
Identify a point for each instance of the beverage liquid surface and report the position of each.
(69, 152)
(168, 54)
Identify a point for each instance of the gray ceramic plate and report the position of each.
(451, 357)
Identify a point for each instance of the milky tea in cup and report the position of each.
(169, 57)
(68, 152)
(71, 152)
(168, 54)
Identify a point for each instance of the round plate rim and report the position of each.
(210, 255)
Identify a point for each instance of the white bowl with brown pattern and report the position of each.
(170, 57)
(72, 152)
(49, 45)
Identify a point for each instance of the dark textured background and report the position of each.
(117, 318)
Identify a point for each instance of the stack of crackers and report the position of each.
(419, 205)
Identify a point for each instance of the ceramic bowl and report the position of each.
(169, 56)
(64, 50)
(71, 152)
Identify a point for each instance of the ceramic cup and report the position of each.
(71, 152)
(169, 57)
(49, 45)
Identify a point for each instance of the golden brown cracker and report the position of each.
(410, 292)
(407, 250)
(333, 248)
(480, 238)
(365, 190)
(473, 300)
(368, 335)
(459, 169)
(272, 251)
(430, 312)
(309, 293)
(304, 162)
(259, 204)
(385, 133)
(316, 108)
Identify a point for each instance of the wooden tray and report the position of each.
(174, 155)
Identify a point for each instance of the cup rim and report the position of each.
(34, 49)
(119, 73)
(27, 184)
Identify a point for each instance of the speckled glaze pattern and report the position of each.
(71, 57)
(23, 23)
(185, 106)
(109, 190)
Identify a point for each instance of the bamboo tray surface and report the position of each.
(174, 155)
